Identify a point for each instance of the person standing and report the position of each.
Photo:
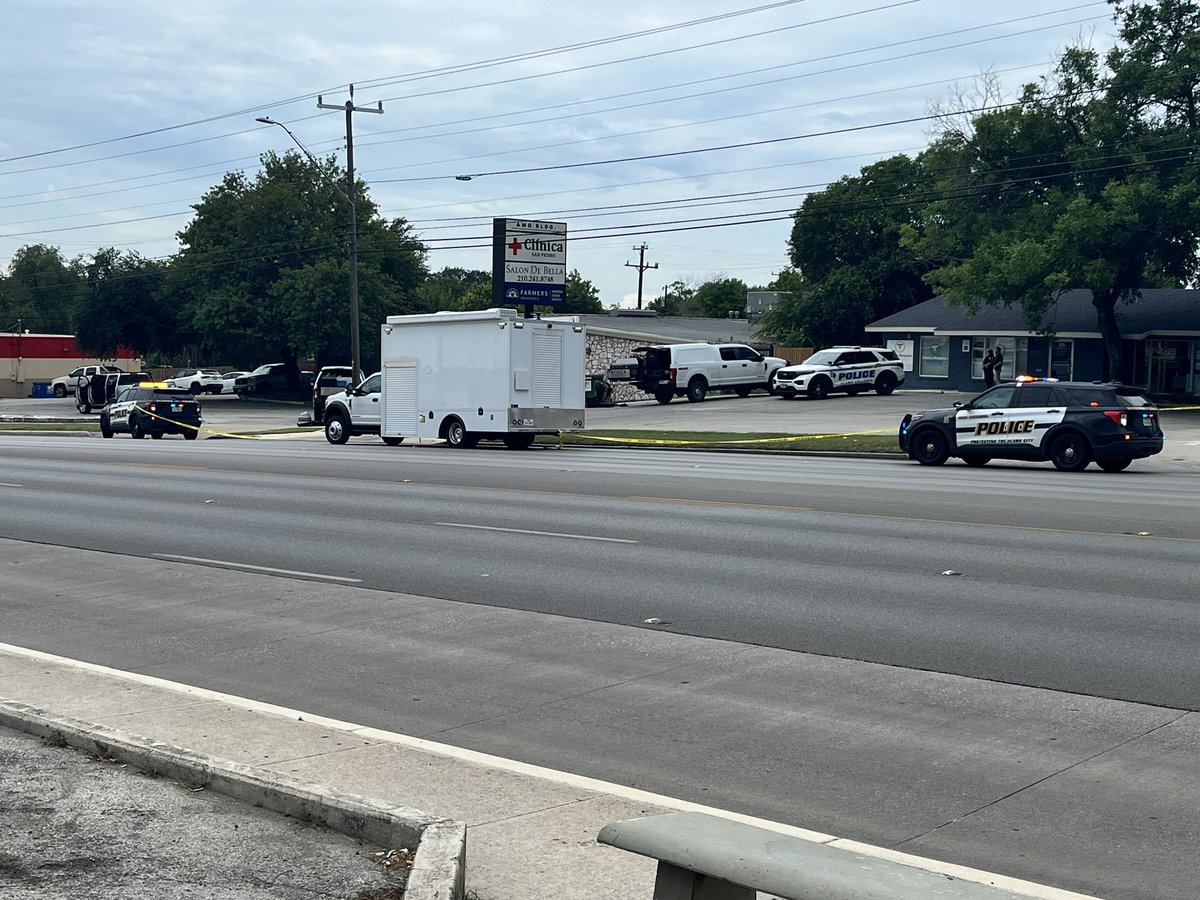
(989, 369)
(999, 363)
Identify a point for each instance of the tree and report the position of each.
(39, 289)
(446, 289)
(582, 295)
(122, 304)
(678, 300)
(718, 298)
(1090, 182)
(263, 270)
(846, 250)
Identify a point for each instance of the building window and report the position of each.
(935, 357)
(1016, 356)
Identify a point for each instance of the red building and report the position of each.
(26, 359)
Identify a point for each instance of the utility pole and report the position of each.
(641, 266)
(355, 353)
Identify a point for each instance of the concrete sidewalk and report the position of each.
(531, 831)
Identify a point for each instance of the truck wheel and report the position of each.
(518, 441)
(930, 448)
(337, 429)
(156, 435)
(136, 431)
(191, 434)
(60, 391)
(393, 441)
(83, 407)
(697, 390)
(885, 384)
(975, 461)
(1070, 452)
(664, 396)
(1115, 465)
(771, 381)
(743, 390)
(457, 436)
(105, 427)
(818, 389)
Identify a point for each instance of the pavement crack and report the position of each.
(533, 812)
(1044, 779)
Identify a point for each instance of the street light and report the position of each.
(355, 354)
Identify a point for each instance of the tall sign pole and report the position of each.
(355, 351)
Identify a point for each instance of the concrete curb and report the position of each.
(439, 864)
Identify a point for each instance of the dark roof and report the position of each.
(1156, 311)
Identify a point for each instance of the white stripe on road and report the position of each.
(226, 564)
(574, 537)
(10, 484)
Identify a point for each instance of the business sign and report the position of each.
(529, 262)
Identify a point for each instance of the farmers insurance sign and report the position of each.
(529, 262)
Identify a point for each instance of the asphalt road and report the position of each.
(1082, 587)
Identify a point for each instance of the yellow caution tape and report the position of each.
(226, 434)
(776, 440)
(1177, 408)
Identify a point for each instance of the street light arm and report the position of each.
(267, 120)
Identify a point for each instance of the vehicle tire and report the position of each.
(1120, 464)
(60, 391)
(818, 389)
(156, 435)
(664, 397)
(337, 428)
(930, 447)
(976, 462)
(136, 431)
(853, 391)
(242, 395)
(195, 388)
(771, 381)
(697, 390)
(885, 384)
(191, 434)
(743, 390)
(83, 407)
(1070, 452)
(457, 436)
(393, 441)
(788, 396)
(518, 441)
(105, 427)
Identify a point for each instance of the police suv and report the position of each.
(844, 370)
(1069, 423)
(152, 409)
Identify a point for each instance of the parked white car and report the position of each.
(229, 379)
(197, 381)
(64, 385)
(841, 370)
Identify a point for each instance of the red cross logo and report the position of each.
(515, 246)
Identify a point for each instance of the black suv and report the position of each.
(1070, 423)
(152, 409)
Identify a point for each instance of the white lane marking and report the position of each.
(226, 564)
(10, 484)
(574, 537)
(1030, 889)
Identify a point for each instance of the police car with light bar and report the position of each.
(1069, 423)
(152, 408)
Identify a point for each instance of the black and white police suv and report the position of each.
(841, 370)
(1070, 423)
(152, 409)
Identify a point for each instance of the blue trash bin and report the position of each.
(41, 389)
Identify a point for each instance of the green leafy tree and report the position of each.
(679, 299)
(846, 251)
(39, 290)
(122, 304)
(582, 295)
(263, 270)
(445, 289)
(1090, 182)
(718, 298)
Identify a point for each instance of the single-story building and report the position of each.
(943, 346)
(26, 359)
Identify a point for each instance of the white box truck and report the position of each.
(487, 375)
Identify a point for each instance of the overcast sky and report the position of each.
(78, 72)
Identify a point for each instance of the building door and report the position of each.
(1062, 359)
(1169, 367)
